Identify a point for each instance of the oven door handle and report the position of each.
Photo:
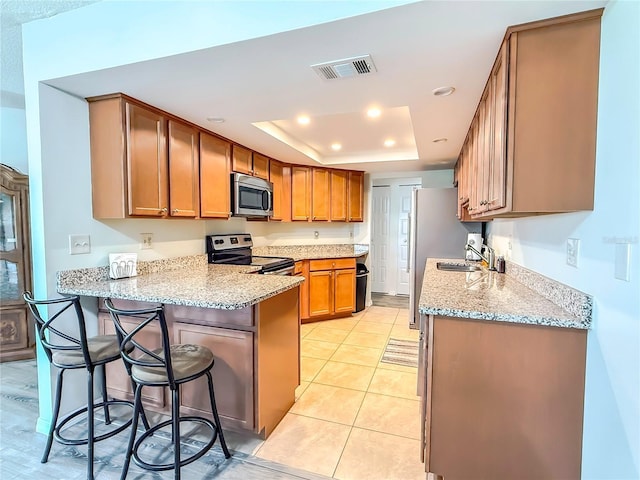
(282, 271)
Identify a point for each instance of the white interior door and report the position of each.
(380, 239)
(402, 264)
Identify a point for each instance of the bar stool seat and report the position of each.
(103, 348)
(186, 360)
(68, 349)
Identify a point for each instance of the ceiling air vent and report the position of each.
(347, 67)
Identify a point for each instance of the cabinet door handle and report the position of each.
(163, 211)
(175, 210)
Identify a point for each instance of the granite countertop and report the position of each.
(188, 281)
(312, 252)
(521, 297)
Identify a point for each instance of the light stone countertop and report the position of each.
(312, 252)
(194, 283)
(488, 295)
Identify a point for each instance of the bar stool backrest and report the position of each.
(52, 325)
(128, 337)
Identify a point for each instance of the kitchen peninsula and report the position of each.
(249, 321)
(502, 373)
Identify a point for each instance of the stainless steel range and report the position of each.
(235, 249)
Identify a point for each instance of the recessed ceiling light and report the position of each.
(304, 120)
(389, 142)
(439, 140)
(443, 91)
(336, 146)
(215, 119)
(373, 112)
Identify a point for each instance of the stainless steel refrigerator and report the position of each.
(435, 232)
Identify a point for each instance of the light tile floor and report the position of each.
(355, 417)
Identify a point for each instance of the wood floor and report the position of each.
(21, 447)
(393, 301)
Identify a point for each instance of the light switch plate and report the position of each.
(622, 261)
(79, 244)
(573, 245)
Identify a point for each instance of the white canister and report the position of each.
(475, 240)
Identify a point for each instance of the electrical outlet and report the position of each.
(79, 244)
(316, 234)
(622, 261)
(573, 246)
(145, 240)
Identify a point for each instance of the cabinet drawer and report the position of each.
(211, 316)
(332, 263)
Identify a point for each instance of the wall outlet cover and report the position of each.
(573, 246)
(621, 271)
(146, 241)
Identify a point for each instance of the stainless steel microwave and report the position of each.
(251, 196)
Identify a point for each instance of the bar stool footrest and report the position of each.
(83, 410)
(170, 466)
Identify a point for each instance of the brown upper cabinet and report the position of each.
(300, 193)
(355, 206)
(184, 170)
(339, 180)
(260, 166)
(530, 148)
(129, 168)
(249, 162)
(149, 163)
(280, 176)
(215, 163)
(320, 195)
(154, 172)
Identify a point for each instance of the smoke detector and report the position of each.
(347, 67)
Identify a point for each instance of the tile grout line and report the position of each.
(359, 409)
(375, 367)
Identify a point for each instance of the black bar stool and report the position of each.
(165, 366)
(70, 351)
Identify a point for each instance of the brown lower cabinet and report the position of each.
(501, 400)
(331, 287)
(256, 368)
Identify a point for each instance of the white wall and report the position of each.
(13, 138)
(611, 447)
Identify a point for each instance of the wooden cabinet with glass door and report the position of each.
(17, 332)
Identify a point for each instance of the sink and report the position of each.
(457, 267)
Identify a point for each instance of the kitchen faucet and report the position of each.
(491, 259)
